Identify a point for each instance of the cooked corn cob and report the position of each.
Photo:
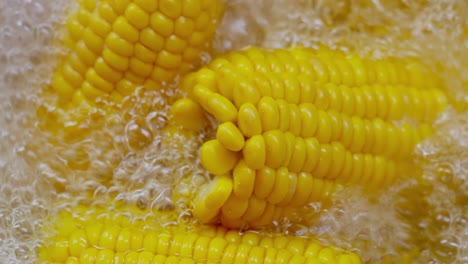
(92, 235)
(117, 46)
(296, 123)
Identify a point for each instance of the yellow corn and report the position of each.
(295, 124)
(117, 46)
(331, 80)
(93, 235)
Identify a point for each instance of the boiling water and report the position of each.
(128, 146)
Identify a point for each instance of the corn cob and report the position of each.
(296, 124)
(115, 47)
(93, 235)
(120, 45)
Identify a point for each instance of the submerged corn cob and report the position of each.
(117, 46)
(295, 124)
(91, 235)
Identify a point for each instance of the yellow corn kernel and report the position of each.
(62, 87)
(94, 79)
(150, 242)
(249, 120)
(76, 63)
(302, 192)
(274, 142)
(207, 78)
(58, 251)
(137, 239)
(175, 44)
(162, 24)
(197, 39)
(215, 104)
(107, 72)
(267, 216)
(230, 136)
(188, 114)
(254, 152)
(164, 242)
(201, 21)
(324, 128)
(256, 255)
(242, 253)
(93, 233)
(216, 158)
(83, 15)
(281, 187)
(106, 11)
(291, 190)
(264, 182)
(119, 45)
(234, 207)
(162, 75)
(327, 255)
(295, 125)
(77, 243)
(290, 141)
(325, 162)
(89, 255)
(85, 54)
(91, 92)
(284, 120)
(125, 87)
(298, 157)
(79, 99)
(191, 53)
(211, 198)
(137, 16)
(269, 113)
(243, 179)
(239, 60)
(108, 237)
(123, 240)
(143, 53)
(140, 68)
(255, 209)
(117, 62)
(99, 26)
(245, 93)
(74, 27)
(126, 31)
(168, 60)
(151, 40)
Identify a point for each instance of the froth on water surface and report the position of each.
(123, 156)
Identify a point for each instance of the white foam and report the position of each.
(28, 54)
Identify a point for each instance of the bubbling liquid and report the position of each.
(426, 220)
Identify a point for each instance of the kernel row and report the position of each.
(106, 238)
(327, 66)
(367, 101)
(135, 41)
